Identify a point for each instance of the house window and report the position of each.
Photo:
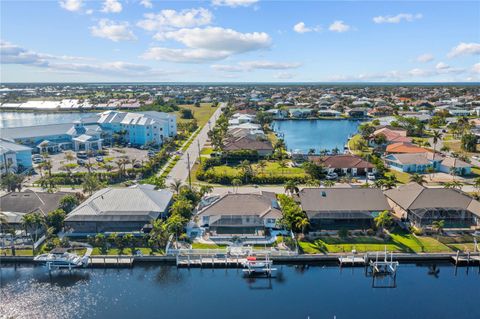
(205, 219)
(271, 220)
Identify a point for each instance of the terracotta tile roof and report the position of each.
(402, 147)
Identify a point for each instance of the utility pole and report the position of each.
(189, 174)
(199, 155)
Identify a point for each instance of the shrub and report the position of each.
(343, 233)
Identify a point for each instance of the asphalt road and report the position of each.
(180, 170)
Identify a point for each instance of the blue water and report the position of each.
(16, 119)
(317, 134)
(296, 292)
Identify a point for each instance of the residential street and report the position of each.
(180, 170)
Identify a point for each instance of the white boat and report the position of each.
(254, 266)
(61, 258)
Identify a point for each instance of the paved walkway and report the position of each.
(180, 170)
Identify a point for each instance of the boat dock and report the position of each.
(209, 261)
(353, 260)
(466, 259)
(110, 261)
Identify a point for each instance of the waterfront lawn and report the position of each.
(126, 251)
(207, 246)
(399, 241)
(18, 252)
(202, 114)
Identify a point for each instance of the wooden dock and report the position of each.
(113, 261)
(352, 261)
(210, 261)
(466, 259)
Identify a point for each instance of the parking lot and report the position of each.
(68, 161)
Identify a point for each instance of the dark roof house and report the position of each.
(422, 205)
(335, 208)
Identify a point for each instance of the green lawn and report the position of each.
(207, 246)
(399, 242)
(18, 252)
(206, 151)
(202, 114)
(116, 251)
(272, 169)
(402, 177)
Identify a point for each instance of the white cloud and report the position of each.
(233, 3)
(476, 68)
(168, 19)
(302, 28)
(14, 54)
(339, 26)
(112, 6)
(115, 31)
(89, 11)
(409, 17)
(420, 72)
(146, 3)
(465, 49)
(71, 5)
(284, 76)
(255, 65)
(424, 58)
(443, 68)
(184, 55)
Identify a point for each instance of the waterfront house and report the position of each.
(358, 112)
(300, 112)
(14, 157)
(421, 206)
(344, 164)
(130, 209)
(337, 208)
(240, 214)
(391, 136)
(277, 114)
(15, 205)
(422, 162)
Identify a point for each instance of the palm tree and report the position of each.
(311, 151)
(33, 221)
(430, 170)
(453, 185)
(282, 164)
(417, 178)
(476, 183)
(236, 183)
(302, 224)
(206, 189)
(291, 187)
(69, 156)
(437, 135)
(438, 226)
(262, 164)
(328, 183)
(48, 166)
(383, 220)
(176, 185)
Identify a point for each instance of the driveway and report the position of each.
(180, 170)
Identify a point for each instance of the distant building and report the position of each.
(14, 157)
(90, 133)
(119, 210)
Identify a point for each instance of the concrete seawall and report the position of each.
(318, 258)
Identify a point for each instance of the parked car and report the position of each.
(475, 157)
(82, 155)
(99, 159)
(81, 161)
(137, 165)
(332, 176)
(371, 176)
(37, 159)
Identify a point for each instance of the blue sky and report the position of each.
(239, 40)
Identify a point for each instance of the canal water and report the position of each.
(302, 135)
(16, 119)
(155, 291)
